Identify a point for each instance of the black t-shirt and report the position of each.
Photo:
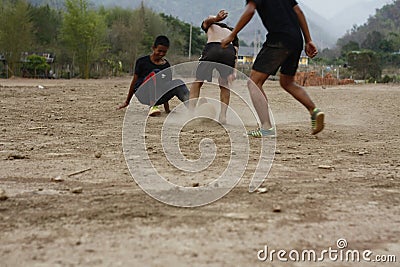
(281, 22)
(144, 66)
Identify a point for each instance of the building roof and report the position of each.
(250, 51)
(247, 51)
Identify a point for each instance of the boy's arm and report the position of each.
(236, 59)
(248, 13)
(130, 93)
(311, 49)
(233, 76)
(222, 14)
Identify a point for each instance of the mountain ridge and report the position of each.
(250, 33)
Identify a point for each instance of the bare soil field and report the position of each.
(67, 197)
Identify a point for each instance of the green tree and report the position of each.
(131, 34)
(349, 47)
(47, 23)
(125, 34)
(391, 43)
(36, 66)
(83, 32)
(152, 25)
(16, 32)
(179, 33)
(373, 41)
(365, 65)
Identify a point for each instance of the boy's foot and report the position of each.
(262, 133)
(201, 101)
(317, 121)
(154, 111)
(222, 119)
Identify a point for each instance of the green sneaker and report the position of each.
(317, 121)
(260, 132)
(154, 111)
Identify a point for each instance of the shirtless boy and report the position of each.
(214, 53)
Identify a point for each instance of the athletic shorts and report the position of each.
(155, 91)
(271, 58)
(216, 57)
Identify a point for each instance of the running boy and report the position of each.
(158, 88)
(286, 26)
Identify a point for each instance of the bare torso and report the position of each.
(216, 33)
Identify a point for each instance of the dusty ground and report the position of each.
(345, 183)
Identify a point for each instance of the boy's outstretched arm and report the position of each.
(311, 49)
(130, 93)
(248, 13)
(222, 14)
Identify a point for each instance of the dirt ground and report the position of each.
(68, 198)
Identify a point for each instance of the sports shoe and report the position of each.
(317, 121)
(260, 132)
(154, 111)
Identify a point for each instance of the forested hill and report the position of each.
(380, 33)
(194, 11)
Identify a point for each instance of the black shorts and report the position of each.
(216, 57)
(157, 93)
(271, 58)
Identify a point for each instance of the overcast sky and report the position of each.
(328, 9)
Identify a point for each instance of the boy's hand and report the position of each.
(232, 78)
(222, 14)
(226, 41)
(311, 49)
(124, 105)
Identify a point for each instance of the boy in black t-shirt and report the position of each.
(154, 78)
(286, 26)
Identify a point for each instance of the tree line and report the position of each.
(370, 49)
(85, 41)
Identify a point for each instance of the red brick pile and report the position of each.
(312, 79)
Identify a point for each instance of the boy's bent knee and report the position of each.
(286, 80)
(257, 78)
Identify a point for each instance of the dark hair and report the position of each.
(161, 40)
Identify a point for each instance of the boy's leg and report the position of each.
(224, 95)
(258, 97)
(268, 62)
(145, 94)
(287, 82)
(173, 88)
(182, 93)
(317, 116)
(166, 107)
(194, 94)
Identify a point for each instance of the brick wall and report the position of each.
(312, 79)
